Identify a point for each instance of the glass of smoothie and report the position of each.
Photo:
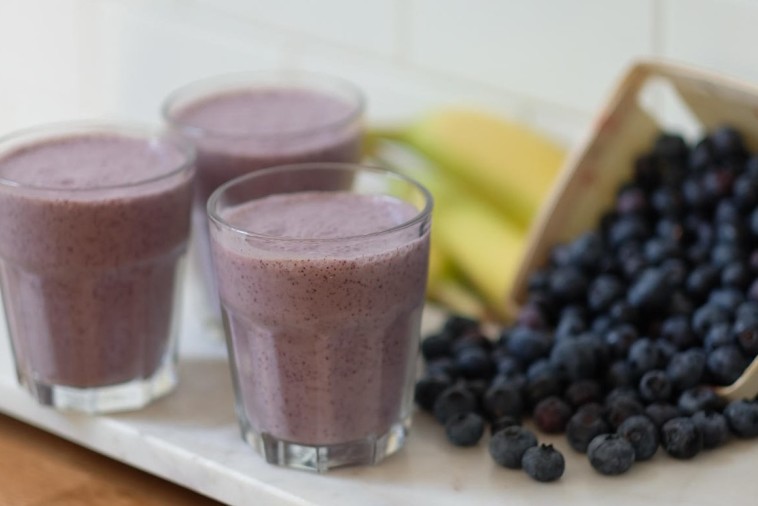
(321, 270)
(245, 122)
(94, 220)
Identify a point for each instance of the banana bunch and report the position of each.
(488, 177)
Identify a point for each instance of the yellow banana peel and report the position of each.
(501, 161)
(468, 235)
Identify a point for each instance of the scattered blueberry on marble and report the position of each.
(543, 463)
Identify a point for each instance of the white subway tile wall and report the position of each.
(547, 63)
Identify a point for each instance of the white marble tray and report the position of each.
(191, 438)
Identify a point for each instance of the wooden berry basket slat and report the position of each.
(622, 131)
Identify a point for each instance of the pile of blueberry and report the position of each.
(626, 328)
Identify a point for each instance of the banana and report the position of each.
(510, 166)
(468, 235)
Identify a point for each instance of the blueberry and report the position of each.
(671, 147)
(700, 398)
(568, 284)
(570, 325)
(658, 249)
(655, 386)
(726, 363)
(532, 315)
(603, 292)
(676, 271)
(707, 316)
(718, 335)
(747, 337)
(538, 281)
(620, 339)
(627, 229)
(436, 345)
(602, 323)
(429, 388)
(727, 142)
(478, 387)
(646, 171)
(507, 447)
(661, 412)
(667, 201)
(631, 200)
(552, 414)
(650, 291)
(464, 429)
(677, 330)
(527, 345)
(727, 298)
(543, 385)
(504, 422)
(471, 339)
(583, 427)
(724, 253)
(620, 374)
(736, 275)
(644, 355)
(681, 438)
(456, 325)
(667, 351)
(503, 399)
(680, 304)
(702, 280)
(474, 362)
(543, 463)
(454, 400)
(685, 369)
(444, 366)
(583, 392)
(623, 312)
(742, 417)
(625, 392)
(717, 183)
(745, 192)
(574, 358)
(702, 155)
(714, 428)
(507, 366)
(642, 433)
(587, 250)
(752, 292)
(610, 454)
(622, 408)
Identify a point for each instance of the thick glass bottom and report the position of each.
(108, 399)
(369, 451)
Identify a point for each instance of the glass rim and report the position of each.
(245, 80)
(66, 129)
(420, 216)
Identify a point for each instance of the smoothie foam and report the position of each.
(324, 332)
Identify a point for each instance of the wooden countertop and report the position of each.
(39, 469)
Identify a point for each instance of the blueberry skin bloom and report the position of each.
(507, 447)
(642, 433)
(543, 463)
(681, 438)
(742, 417)
(610, 454)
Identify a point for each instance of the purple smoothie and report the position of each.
(323, 332)
(93, 227)
(246, 129)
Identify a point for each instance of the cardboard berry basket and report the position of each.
(625, 128)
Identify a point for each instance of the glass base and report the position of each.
(367, 451)
(109, 399)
